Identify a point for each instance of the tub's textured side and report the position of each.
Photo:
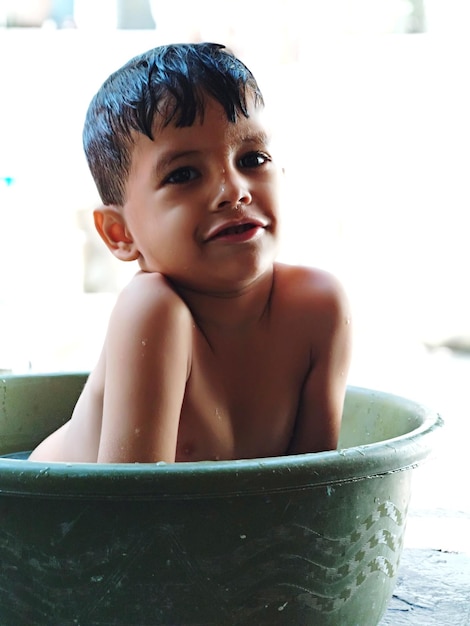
(316, 556)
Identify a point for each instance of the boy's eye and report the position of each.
(182, 175)
(253, 159)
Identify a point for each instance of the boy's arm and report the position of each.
(147, 365)
(321, 404)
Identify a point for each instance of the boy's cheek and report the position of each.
(282, 185)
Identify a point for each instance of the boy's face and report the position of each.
(202, 201)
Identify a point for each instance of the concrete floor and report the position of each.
(433, 589)
(433, 585)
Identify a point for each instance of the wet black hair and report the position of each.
(171, 81)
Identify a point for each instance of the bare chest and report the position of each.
(240, 403)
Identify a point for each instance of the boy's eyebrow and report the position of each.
(258, 137)
(167, 159)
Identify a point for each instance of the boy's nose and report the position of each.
(232, 190)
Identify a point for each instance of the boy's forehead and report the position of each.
(213, 115)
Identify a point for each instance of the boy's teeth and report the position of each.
(236, 230)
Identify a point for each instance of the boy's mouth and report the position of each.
(237, 230)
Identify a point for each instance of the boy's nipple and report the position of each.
(188, 449)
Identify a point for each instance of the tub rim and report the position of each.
(150, 481)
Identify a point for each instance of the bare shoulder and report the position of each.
(311, 290)
(150, 287)
(148, 315)
(148, 295)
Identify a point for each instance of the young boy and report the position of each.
(213, 350)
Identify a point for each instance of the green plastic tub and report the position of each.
(296, 540)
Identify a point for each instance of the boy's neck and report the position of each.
(232, 311)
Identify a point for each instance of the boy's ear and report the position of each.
(112, 229)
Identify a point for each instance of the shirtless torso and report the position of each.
(261, 387)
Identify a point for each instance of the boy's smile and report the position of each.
(202, 201)
(239, 229)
